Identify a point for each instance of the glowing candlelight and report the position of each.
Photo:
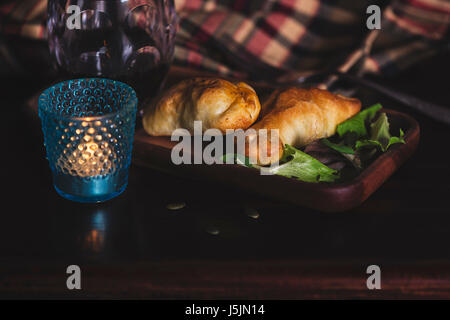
(92, 157)
(88, 127)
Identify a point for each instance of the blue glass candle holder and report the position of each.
(88, 127)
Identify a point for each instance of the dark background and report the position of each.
(133, 246)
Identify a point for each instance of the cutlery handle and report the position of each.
(434, 111)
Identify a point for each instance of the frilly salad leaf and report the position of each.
(357, 124)
(339, 147)
(294, 164)
(348, 152)
(380, 136)
(360, 137)
(302, 166)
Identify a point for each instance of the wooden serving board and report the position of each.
(155, 152)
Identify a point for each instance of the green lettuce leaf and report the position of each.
(357, 124)
(398, 139)
(346, 151)
(380, 136)
(339, 147)
(302, 166)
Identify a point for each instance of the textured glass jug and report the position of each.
(127, 40)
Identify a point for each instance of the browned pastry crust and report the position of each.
(302, 116)
(217, 103)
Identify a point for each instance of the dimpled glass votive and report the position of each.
(88, 127)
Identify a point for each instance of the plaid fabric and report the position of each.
(265, 38)
(26, 18)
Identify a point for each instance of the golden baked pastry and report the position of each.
(217, 103)
(301, 116)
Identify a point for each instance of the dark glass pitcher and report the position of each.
(128, 40)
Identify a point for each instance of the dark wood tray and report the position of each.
(155, 152)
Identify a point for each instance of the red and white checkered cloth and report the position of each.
(258, 38)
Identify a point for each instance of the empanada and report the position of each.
(217, 103)
(301, 116)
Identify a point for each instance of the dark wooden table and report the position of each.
(134, 247)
